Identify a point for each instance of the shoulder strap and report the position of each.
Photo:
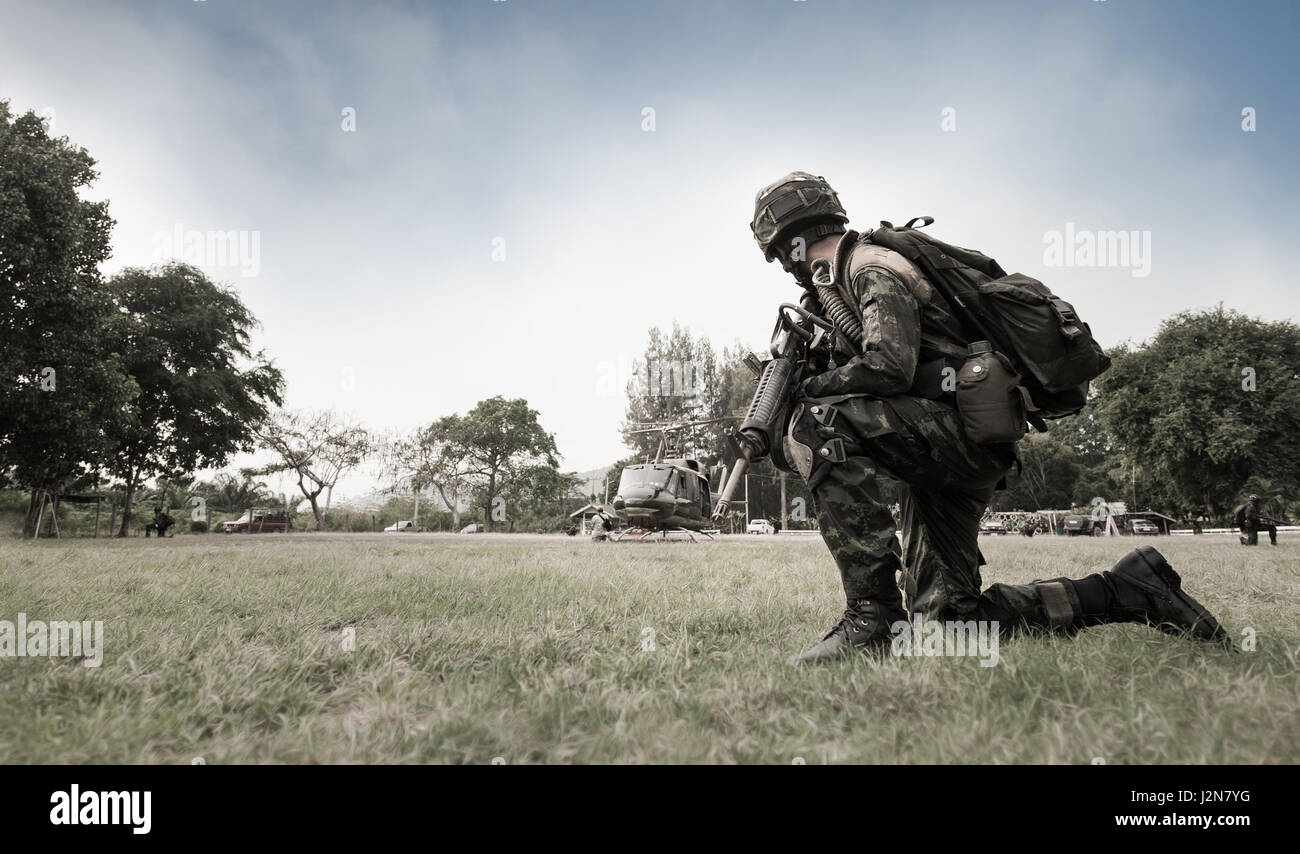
(933, 257)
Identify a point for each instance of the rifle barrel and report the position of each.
(733, 481)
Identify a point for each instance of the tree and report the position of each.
(229, 493)
(61, 383)
(1049, 469)
(432, 456)
(538, 500)
(202, 391)
(318, 447)
(678, 379)
(171, 493)
(501, 441)
(1211, 404)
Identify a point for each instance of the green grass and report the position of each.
(530, 649)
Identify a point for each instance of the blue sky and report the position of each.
(479, 121)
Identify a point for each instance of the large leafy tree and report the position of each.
(202, 390)
(541, 497)
(678, 379)
(1049, 469)
(61, 384)
(316, 447)
(433, 457)
(1209, 408)
(502, 443)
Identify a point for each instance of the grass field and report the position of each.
(531, 649)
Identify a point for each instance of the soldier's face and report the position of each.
(799, 269)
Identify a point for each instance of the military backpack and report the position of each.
(1046, 344)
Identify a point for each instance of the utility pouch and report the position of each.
(990, 398)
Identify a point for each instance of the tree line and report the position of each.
(148, 376)
(1190, 422)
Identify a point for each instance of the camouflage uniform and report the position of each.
(1254, 523)
(886, 412)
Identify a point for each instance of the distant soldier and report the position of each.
(1251, 522)
(161, 522)
(602, 525)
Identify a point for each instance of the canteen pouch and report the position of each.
(990, 399)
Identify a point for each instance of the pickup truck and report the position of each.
(1079, 525)
(760, 526)
(409, 527)
(257, 520)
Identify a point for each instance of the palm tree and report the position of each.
(230, 494)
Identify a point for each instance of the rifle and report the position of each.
(794, 339)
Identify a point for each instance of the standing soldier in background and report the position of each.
(886, 412)
(601, 526)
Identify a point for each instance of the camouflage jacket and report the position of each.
(909, 332)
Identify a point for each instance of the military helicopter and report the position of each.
(667, 496)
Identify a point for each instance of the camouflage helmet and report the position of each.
(798, 199)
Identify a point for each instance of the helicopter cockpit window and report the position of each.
(663, 478)
(633, 478)
(630, 479)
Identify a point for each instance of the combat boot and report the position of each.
(1145, 589)
(863, 629)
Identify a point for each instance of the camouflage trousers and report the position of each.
(1250, 534)
(842, 446)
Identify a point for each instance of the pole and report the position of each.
(40, 514)
(746, 502)
(785, 520)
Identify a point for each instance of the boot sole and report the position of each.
(873, 651)
(1204, 627)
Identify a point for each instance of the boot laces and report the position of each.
(853, 622)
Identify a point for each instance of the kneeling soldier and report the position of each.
(886, 412)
